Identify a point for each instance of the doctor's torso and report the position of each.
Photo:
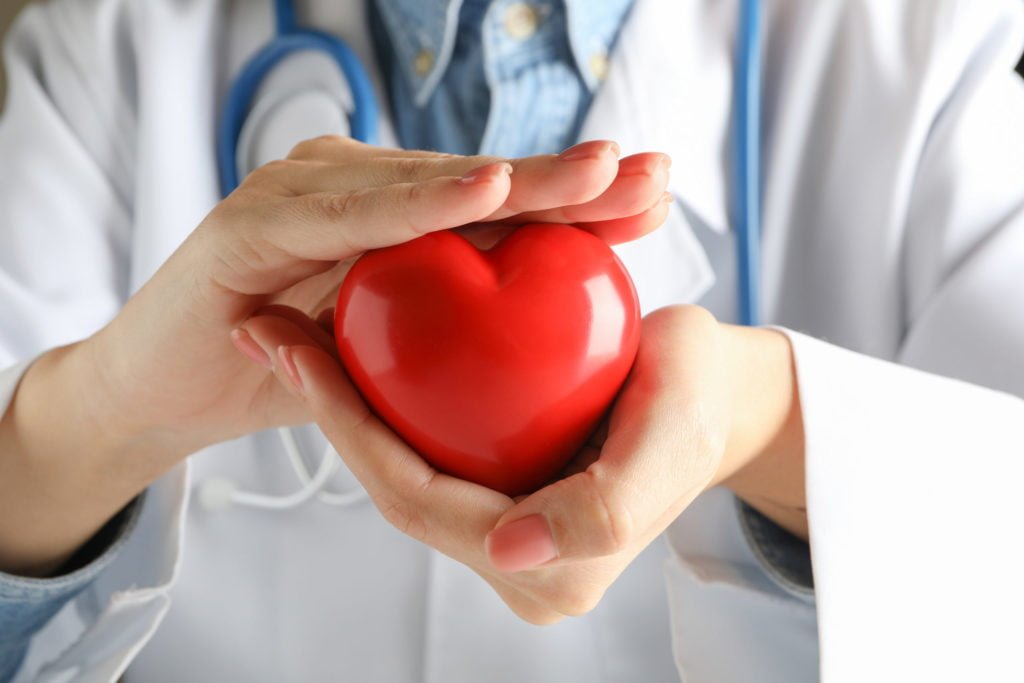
(322, 593)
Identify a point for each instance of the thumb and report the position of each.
(663, 447)
(619, 504)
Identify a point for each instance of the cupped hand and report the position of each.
(671, 433)
(168, 367)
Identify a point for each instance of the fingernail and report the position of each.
(284, 357)
(523, 544)
(485, 173)
(593, 149)
(244, 342)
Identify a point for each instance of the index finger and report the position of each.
(578, 177)
(265, 247)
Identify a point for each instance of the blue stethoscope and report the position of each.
(290, 38)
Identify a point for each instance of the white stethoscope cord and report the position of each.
(218, 493)
(329, 460)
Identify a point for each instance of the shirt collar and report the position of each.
(422, 35)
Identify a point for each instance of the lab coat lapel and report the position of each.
(668, 89)
(168, 209)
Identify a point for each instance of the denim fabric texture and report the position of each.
(786, 558)
(501, 77)
(26, 604)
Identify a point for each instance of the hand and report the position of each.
(685, 420)
(164, 379)
(288, 234)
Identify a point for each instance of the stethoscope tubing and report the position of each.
(362, 120)
(747, 162)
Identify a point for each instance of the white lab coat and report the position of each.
(894, 227)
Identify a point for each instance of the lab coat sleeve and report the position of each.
(913, 503)
(915, 461)
(65, 184)
(914, 468)
(27, 604)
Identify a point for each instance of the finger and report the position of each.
(486, 235)
(639, 184)
(338, 226)
(271, 247)
(342, 149)
(259, 337)
(316, 292)
(662, 449)
(275, 325)
(578, 175)
(380, 170)
(450, 514)
(622, 230)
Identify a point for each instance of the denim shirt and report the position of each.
(27, 604)
(500, 77)
(464, 76)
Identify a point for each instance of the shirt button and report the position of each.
(521, 21)
(424, 62)
(599, 65)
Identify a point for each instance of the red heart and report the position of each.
(494, 365)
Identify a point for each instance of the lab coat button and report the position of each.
(521, 21)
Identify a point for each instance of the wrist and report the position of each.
(64, 471)
(764, 459)
(67, 416)
(116, 423)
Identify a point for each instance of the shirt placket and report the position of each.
(535, 92)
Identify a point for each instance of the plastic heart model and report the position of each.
(494, 365)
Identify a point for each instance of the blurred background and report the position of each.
(10, 8)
